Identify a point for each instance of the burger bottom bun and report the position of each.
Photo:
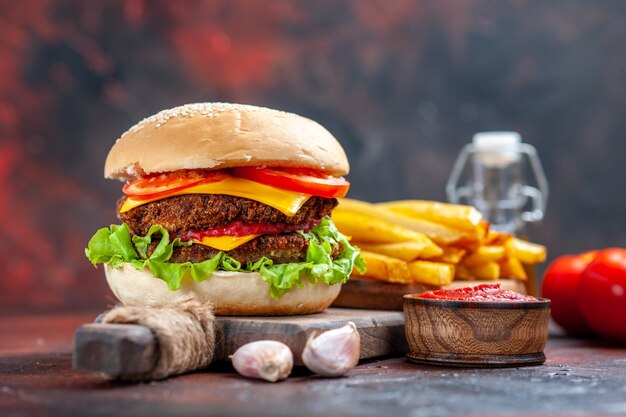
(230, 293)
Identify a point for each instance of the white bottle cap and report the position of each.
(497, 141)
(497, 149)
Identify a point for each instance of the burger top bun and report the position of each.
(230, 293)
(222, 135)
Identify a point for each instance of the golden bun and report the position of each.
(223, 135)
(230, 293)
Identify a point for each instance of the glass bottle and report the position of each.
(490, 174)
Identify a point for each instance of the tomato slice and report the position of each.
(302, 180)
(162, 184)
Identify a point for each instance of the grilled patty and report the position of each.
(204, 211)
(179, 214)
(284, 248)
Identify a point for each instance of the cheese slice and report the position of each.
(288, 202)
(224, 243)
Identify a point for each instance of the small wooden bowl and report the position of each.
(476, 333)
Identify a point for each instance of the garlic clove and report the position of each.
(264, 359)
(334, 352)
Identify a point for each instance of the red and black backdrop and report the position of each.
(403, 85)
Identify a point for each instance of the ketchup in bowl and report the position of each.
(481, 326)
(483, 292)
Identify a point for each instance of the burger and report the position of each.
(230, 205)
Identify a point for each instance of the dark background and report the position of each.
(402, 84)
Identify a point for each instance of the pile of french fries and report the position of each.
(432, 243)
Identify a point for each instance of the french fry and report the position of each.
(496, 238)
(526, 252)
(489, 271)
(407, 251)
(367, 229)
(385, 268)
(432, 243)
(462, 272)
(511, 267)
(454, 215)
(439, 233)
(431, 273)
(483, 255)
(450, 255)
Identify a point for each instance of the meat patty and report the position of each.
(284, 248)
(205, 211)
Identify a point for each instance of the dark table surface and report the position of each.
(580, 378)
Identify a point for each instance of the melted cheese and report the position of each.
(225, 243)
(288, 202)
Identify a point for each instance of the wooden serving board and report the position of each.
(118, 349)
(382, 332)
(366, 294)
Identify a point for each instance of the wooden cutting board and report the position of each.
(118, 349)
(382, 332)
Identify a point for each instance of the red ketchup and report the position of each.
(238, 228)
(483, 292)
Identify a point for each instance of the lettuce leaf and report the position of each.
(114, 246)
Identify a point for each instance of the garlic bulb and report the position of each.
(334, 352)
(264, 359)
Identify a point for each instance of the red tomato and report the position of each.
(308, 181)
(602, 294)
(560, 284)
(162, 184)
